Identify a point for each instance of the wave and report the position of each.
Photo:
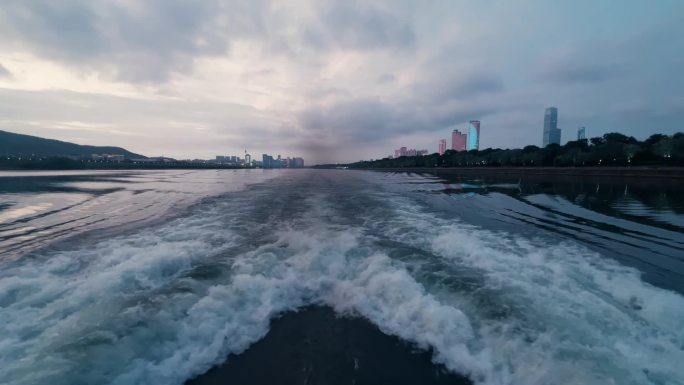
(167, 303)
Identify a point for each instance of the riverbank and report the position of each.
(603, 172)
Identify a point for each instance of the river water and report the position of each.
(153, 277)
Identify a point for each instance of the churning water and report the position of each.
(154, 277)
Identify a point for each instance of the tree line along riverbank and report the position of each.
(610, 150)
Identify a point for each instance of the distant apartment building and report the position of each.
(107, 157)
(442, 146)
(552, 134)
(458, 141)
(581, 133)
(267, 161)
(156, 159)
(228, 160)
(403, 151)
(473, 139)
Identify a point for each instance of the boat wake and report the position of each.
(166, 303)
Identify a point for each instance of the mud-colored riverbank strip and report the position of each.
(605, 172)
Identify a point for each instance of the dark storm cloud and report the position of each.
(144, 42)
(375, 120)
(360, 118)
(437, 102)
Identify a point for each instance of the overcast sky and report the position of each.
(335, 80)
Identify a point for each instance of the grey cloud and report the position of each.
(323, 92)
(438, 101)
(375, 120)
(149, 41)
(386, 78)
(358, 25)
(463, 69)
(364, 119)
(144, 42)
(465, 86)
(4, 72)
(570, 71)
(158, 126)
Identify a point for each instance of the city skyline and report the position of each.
(334, 81)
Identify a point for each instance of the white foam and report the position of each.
(50, 305)
(582, 319)
(130, 311)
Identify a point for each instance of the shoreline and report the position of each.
(633, 172)
(604, 172)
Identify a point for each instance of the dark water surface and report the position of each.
(316, 346)
(156, 277)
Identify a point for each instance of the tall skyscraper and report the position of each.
(473, 135)
(581, 133)
(458, 141)
(442, 146)
(552, 134)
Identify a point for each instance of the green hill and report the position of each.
(24, 145)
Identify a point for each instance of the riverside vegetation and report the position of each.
(612, 149)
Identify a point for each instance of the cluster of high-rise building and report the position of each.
(230, 160)
(403, 151)
(551, 133)
(463, 141)
(460, 141)
(470, 139)
(235, 161)
(268, 161)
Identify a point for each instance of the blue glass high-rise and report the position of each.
(552, 134)
(581, 133)
(473, 140)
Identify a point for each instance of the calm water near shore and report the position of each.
(155, 277)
